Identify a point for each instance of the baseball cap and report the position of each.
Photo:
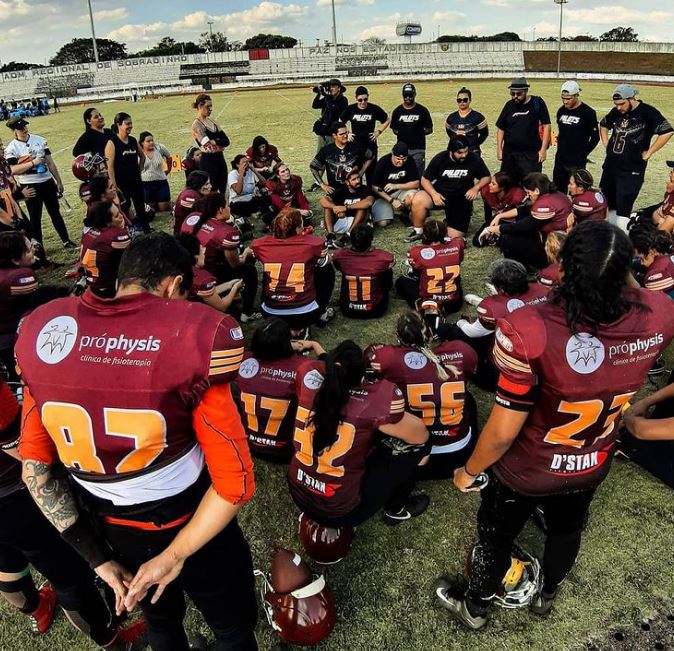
(518, 83)
(624, 91)
(400, 149)
(17, 123)
(571, 87)
(409, 89)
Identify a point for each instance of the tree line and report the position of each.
(624, 34)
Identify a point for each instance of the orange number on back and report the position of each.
(359, 285)
(145, 427)
(89, 263)
(442, 279)
(276, 407)
(295, 276)
(451, 407)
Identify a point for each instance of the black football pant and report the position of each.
(502, 515)
(518, 164)
(248, 274)
(562, 171)
(408, 289)
(621, 190)
(526, 248)
(26, 537)
(214, 165)
(218, 579)
(46, 195)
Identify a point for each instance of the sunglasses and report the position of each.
(343, 133)
(517, 93)
(404, 158)
(360, 100)
(408, 96)
(462, 100)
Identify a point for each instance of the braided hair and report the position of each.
(553, 245)
(434, 231)
(583, 179)
(344, 370)
(414, 333)
(595, 257)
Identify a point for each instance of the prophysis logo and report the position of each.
(584, 353)
(56, 339)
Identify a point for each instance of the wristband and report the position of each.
(470, 474)
(82, 537)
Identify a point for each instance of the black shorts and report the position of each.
(157, 191)
(458, 211)
(621, 189)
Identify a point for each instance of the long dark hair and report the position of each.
(434, 231)
(540, 182)
(118, 120)
(595, 259)
(257, 142)
(196, 180)
(272, 340)
(98, 215)
(414, 333)
(344, 370)
(12, 247)
(86, 116)
(208, 206)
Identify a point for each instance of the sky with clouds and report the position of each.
(34, 29)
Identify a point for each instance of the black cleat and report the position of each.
(414, 506)
(542, 603)
(453, 599)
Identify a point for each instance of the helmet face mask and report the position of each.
(87, 166)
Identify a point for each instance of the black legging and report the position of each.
(214, 165)
(46, 194)
(133, 192)
(525, 248)
(247, 208)
(246, 272)
(408, 289)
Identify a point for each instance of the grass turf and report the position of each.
(384, 588)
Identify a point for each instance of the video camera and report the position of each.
(322, 89)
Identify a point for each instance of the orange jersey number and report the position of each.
(448, 406)
(360, 288)
(72, 431)
(277, 409)
(442, 280)
(295, 278)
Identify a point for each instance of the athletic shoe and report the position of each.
(325, 317)
(658, 368)
(314, 186)
(414, 506)
(472, 299)
(542, 603)
(330, 241)
(414, 237)
(253, 316)
(243, 224)
(69, 244)
(42, 617)
(453, 599)
(344, 240)
(491, 289)
(133, 636)
(197, 642)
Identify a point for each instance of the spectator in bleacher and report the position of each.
(245, 197)
(198, 185)
(577, 134)
(212, 141)
(451, 182)
(467, 122)
(363, 117)
(337, 159)
(155, 185)
(412, 122)
(31, 163)
(345, 208)
(125, 161)
(95, 135)
(395, 182)
(632, 124)
(331, 100)
(263, 157)
(523, 132)
(285, 191)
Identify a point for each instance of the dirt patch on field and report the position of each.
(601, 62)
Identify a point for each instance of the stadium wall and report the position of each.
(184, 73)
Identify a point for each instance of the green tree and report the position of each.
(168, 46)
(455, 38)
(81, 50)
(620, 34)
(374, 40)
(217, 42)
(502, 36)
(12, 66)
(271, 41)
(582, 37)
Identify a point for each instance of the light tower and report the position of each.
(561, 4)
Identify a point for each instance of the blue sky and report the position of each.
(34, 29)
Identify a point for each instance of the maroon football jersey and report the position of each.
(361, 287)
(439, 266)
(115, 391)
(583, 383)
(100, 254)
(263, 159)
(514, 198)
(284, 195)
(17, 287)
(551, 210)
(328, 481)
(184, 207)
(216, 235)
(203, 284)
(589, 206)
(493, 308)
(659, 276)
(550, 275)
(268, 402)
(439, 403)
(288, 269)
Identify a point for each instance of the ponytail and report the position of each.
(413, 332)
(208, 206)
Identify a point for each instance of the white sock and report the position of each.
(612, 216)
(418, 231)
(622, 222)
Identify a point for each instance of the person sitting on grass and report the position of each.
(550, 276)
(653, 249)
(345, 208)
(285, 191)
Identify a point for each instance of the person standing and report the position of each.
(125, 160)
(95, 135)
(212, 141)
(160, 466)
(153, 174)
(632, 125)
(523, 132)
(577, 135)
(30, 161)
(412, 122)
(467, 122)
(331, 100)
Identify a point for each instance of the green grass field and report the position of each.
(384, 588)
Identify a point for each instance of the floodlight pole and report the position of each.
(93, 32)
(210, 27)
(334, 25)
(561, 4)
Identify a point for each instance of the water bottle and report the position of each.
(41, 168)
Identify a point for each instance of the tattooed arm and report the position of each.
(51, 493)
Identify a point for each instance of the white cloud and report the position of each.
(439, 16)
(386, 31)
(111, 14)
(496, 3)
(618, 15)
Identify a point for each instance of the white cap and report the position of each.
(571, 87)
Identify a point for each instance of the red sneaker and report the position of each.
(42, 617)
(133, 636)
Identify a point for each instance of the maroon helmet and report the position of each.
(325, 545)
(299, 606)
(86, 166)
